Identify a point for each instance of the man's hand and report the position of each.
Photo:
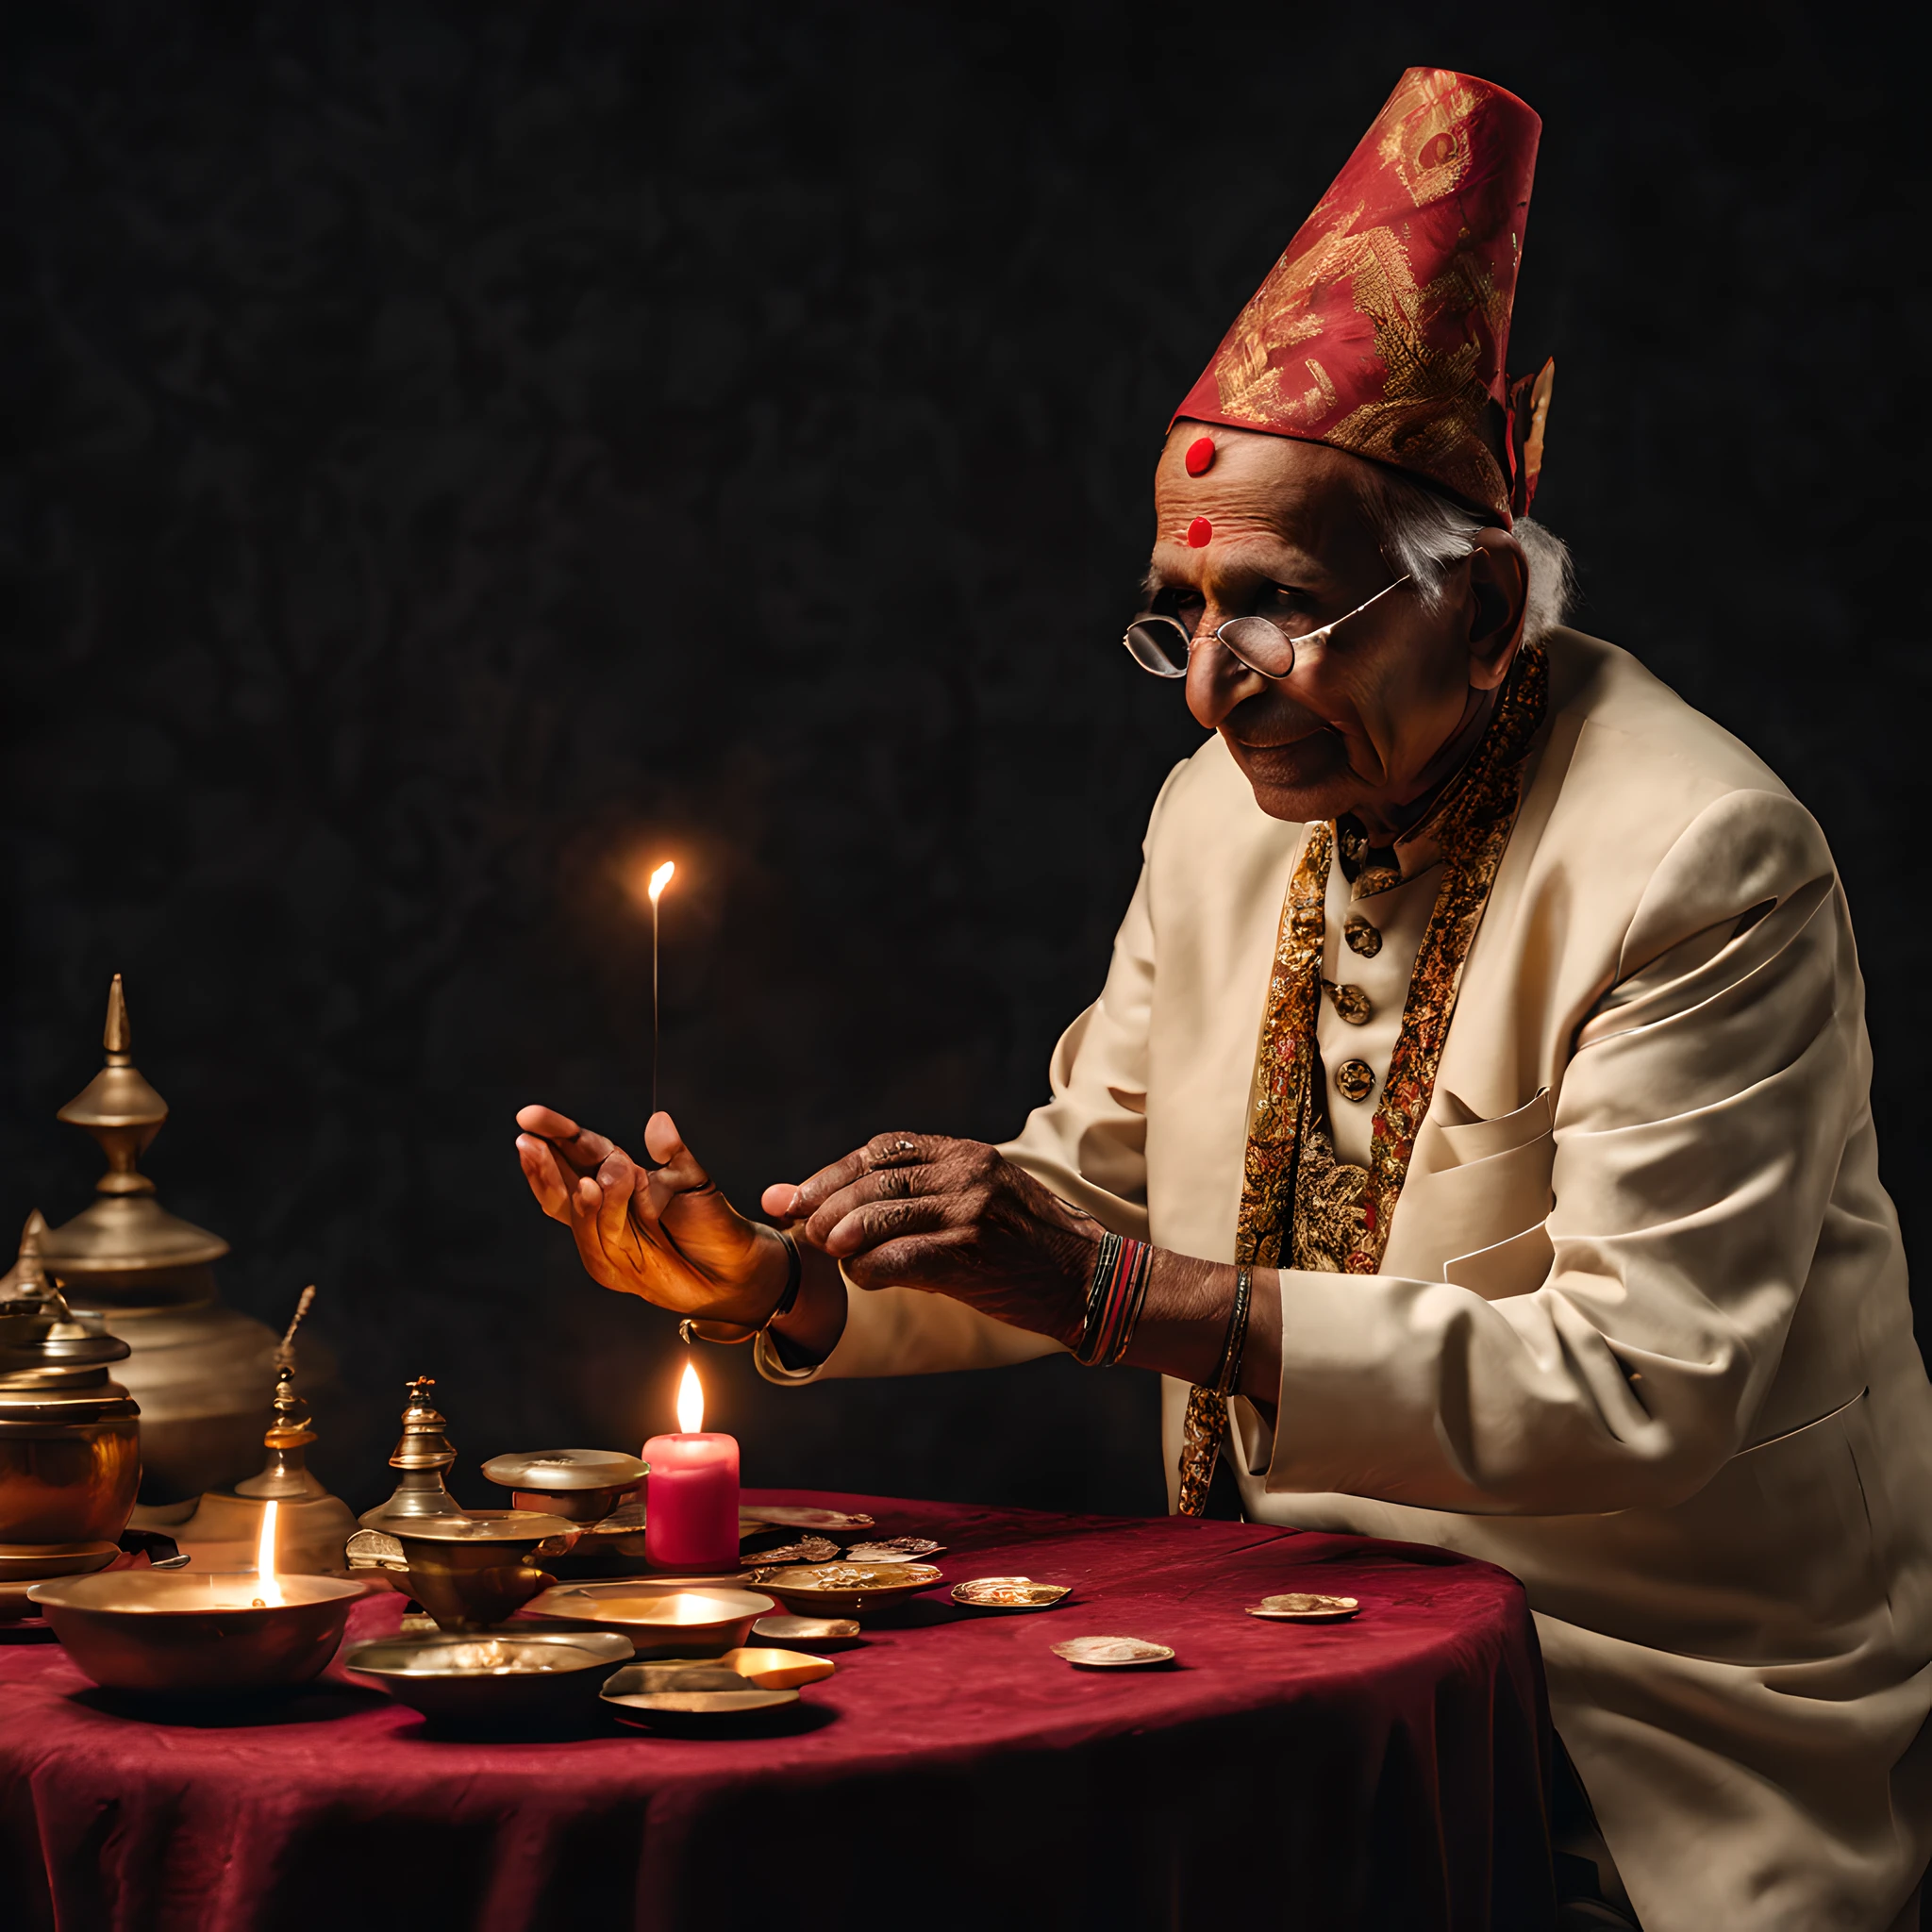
(666, 1233)
(918, 1210)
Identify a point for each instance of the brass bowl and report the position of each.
(679, 1618)
(501, 1677)
(844, 1589)
(172, 1633)
(468, 1572)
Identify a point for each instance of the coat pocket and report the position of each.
(1457, 1137)
(1520, 1265)
(1463, 1212)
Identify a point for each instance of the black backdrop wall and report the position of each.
(466, 449)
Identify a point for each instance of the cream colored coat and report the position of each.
(1641, 1335)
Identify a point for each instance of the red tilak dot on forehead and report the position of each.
(1199, 455)
(1199, 532)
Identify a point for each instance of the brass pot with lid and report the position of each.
(70, 1438)
(198, 1367)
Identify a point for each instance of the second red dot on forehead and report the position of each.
(1199, 533)
(1199, 455)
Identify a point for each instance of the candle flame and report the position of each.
(265, 1557)
(690, 1402)
(660, 879)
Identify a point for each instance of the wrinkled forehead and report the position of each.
(1258, 501)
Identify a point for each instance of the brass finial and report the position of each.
(117, 1036)
(423, 1453)
(26, 1280)
(124, 1229)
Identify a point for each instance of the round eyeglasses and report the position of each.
(1163, 645)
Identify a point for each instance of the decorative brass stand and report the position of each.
(421, 1455)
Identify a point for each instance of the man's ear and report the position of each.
(1498, 600)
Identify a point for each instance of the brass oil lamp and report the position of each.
(196, 1368)
(311, 1525)
(70, 1438)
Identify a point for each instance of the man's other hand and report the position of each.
(920, 1211)
(664, 1233)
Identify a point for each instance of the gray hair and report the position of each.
(1423, 533)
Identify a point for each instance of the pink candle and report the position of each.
(690, 1505)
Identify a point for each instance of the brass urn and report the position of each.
(70, 1438)
(196, 1368)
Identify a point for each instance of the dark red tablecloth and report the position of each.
(1388, 1771)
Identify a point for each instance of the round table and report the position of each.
(1390, 1772)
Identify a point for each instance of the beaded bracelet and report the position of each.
(1114, 1299)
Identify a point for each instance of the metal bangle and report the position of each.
(1236, 1333)
(1136, 1298)
(733, 1334)
(1105, 1261)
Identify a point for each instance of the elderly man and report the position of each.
(1473, 1124)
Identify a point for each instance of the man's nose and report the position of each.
(1218, 681)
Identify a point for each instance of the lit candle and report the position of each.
(268, 1590)
(690, 1503)
(660, 879)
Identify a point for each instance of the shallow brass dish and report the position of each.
(1113, 1653)
(1009, 1593)
(845, 1589)
(173, 1633)
(826, 1632)
(777, 1670)
(676, 1618)
(502, 1676)
(1304, 1607)
(682, 1690)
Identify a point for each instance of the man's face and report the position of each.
(1357, 723)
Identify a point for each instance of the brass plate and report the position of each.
(797, 1517)
(480, 1526)
(805, 1549)
(681, 1689)
(847, 1589)
(1113, 1653)
(1302, 1606)
(896, 1549)
(566, 1469)
(678, 1615)
(764, 1668)
(820, 1630)
(1009, 1593)
(39, 1562)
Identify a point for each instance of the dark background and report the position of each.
(463, 450)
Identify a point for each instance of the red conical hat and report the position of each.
(1382, 330)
